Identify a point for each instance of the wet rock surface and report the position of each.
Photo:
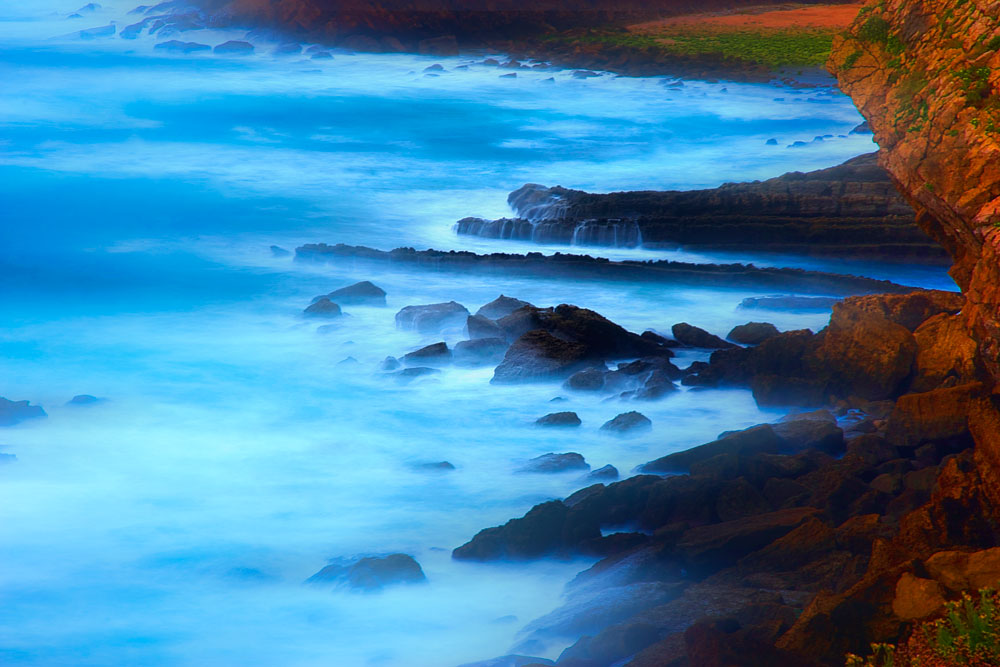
(371, 573)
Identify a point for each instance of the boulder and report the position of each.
(693, 336)
(603, 338)
(628, 423)
(547, 463)
(559, 419)
(940, 414)
(323, 309)
(549, 528)
(608, 473)
(436, 354)
(538, 355)
(501, 307)
(15, 412)
(479, 351)
(372, 573)
(234, 48)
(432, 318)
(589, 379)
(753, 333)
(364, 293)
(478, 326)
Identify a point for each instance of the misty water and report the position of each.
(239, 449)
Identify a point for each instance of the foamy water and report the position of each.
(237, 451)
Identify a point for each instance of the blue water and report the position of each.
(174, 523)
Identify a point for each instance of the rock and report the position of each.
(916, 597)
(549, 528)
(479, 351)
(548, 463)
(437, 466)
(538, 355)
(941, 414)
(389, 364)
(754, 440)
(432, 318)
(15, 412)
(945, 352)
(628, 423)
(372, 573)
(501, 307)
(589, 379)
(559, 419)
(408, 375)
(605, 474)
(234, 48)
(479, 326)
(753, 333)
(175, 46)
(324, 308)
(436, 354)
(694, 337)
(363, 293)
(962, 571)
(278, 251)
(84, 399)
(512, 660)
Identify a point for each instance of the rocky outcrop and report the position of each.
(585, 267)
(851, 210)
(371, 573)
(15, 412)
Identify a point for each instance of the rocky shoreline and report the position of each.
(585, 267)
(852, 210)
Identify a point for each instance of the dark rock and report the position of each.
(479, 351)
(324, 308)
(538, 355)
(372, 573)
(84, 399)
(752, 333)
(605, 474)
(548, 463)
(628, 423)
(389, 364)
(695, 337)
(501, 307)
(760, 439)
(559, 419)
(175, 46)
(234, 48)
(479, 326)
(363, 293)
(436, 354)
(15, 412)
(589, 379)
(432, 318)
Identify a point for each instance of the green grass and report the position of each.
(772, 48)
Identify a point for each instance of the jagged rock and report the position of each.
(438, 466)
(501, 307)
(432, 318)
(753, 333)
(324, 308)
(628, 423)
(15, 412)
(962, 571)
(478, 326)
(436, 354)
(695, 337)
(278, 251)
(372, 573)
(538, 355)
(234, 48)
(362, 293)
(548, 463)
(479, 351)
(559, 419)
(83, 399)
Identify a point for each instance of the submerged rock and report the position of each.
(278, 251)
(234, 48)
(538, 355)
(324, 308)
(372, 573)
(176, 46)
(432, 318)
(547, 463)
(438, 353)
(437, 466)
(479, 351)
(604, 474)
(15, 412)
(753, 333)
(693, 336)
(628, 423)
(363, 293)
(559, 419)
(84, 399)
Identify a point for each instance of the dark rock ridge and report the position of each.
(851, 210)
(587, 267)
(15, 412)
